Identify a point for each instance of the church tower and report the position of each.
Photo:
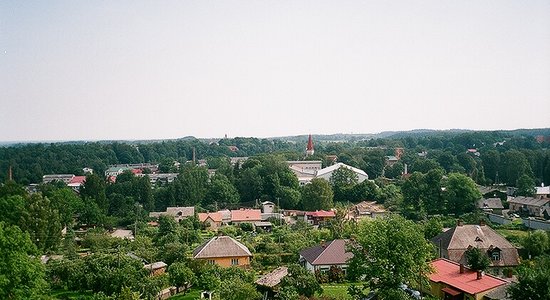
(309, 148)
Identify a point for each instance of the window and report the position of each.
(211, 262)
(234, 261)
(495, 255)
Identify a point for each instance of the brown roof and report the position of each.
(246, 215)
(221, 246)
(215, 216)
(332, 253)
(273, 278)
(457, 240)
(367, 207)
(529, 201)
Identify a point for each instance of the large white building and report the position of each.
(307, 170)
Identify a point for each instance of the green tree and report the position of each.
(413, 189)
(94, 188)
(536, 243)
(533, 281)
(181, 276)
(317, 195)
(514, 165)
(476, 259)
(21, 273)
(238, 289)
(42, 222)
(342, 181)
(222, 191)
(461, 194)
(389, 252)
(526, 186)
(301, 280)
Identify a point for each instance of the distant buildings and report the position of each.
(72, 181)
(115, 170)
(536, 207)
(366, 209)
(492, 205)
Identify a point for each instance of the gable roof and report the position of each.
(448, 272)
(529, 201)
(332, 253)
(244, 215)
(221, 246)
(215, 216)
(457, 240)
(338, 166)
(321, 213)
(490, 203)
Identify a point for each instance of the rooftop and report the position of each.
(243, 215)
(221, 246)
(330, 253)
(448, 272)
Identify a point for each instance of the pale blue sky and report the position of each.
(91, 70)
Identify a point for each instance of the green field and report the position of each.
(338, 291)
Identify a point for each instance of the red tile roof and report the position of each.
(78, 180)
(321, 213)
(448, 272)
(215, 216)
(246, 215)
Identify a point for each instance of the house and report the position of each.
(156, 268)
(65, 178)
(366, 209)
(269, 283)
(529, 205)
(493, 191)
(453, 243)
(326, 255)
(265, 226)
(391, 160)
(268, 207)
(115, 170)
(493, 205)
(160, 177)
(76, 183)
(223, 251)
(178, 213)
(212, 221)
(246, 216)
(453, 281)
(318, 217)
(123, 234)
(327, 172)
(542, 191)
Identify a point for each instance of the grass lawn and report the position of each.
(513, 235)
(337, 290)
(191, 295)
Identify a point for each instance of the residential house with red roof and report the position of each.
(246, 216)
(212, 221)
(453, 281)
(318, 217)
(326, 255)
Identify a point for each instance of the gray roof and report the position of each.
(490, 203)
(500, 293)
(221, 246)
(155, 266)
(529, 201)
(331, 253)
(457, 240)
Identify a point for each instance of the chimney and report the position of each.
(459, 222)
(323, 244)
(482, 222)
(461, 268)
(509, 273)
(479, 275)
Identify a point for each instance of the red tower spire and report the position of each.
(309, 148)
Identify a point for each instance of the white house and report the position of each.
(327, 172)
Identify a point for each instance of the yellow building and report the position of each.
(223, 251)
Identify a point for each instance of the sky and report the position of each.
(94, 70)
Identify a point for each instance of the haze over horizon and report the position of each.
(135, 70)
